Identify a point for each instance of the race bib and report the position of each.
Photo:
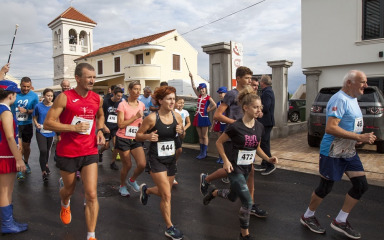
(112, 118)
(165, 149)
(246, 157)
(358, 125)
(42, 130)
(130, 131)
(77, 120)
(21, 117)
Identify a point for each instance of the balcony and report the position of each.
(142, 71)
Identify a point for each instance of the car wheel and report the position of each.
(380, 146)
(313, 141)
(294, 117)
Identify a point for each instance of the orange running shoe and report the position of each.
(92, 238)
(65, 215)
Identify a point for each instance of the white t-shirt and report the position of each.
(184, 114)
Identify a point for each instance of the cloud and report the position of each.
(268, 31)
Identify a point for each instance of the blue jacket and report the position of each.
(268, 101)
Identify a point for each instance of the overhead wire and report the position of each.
(182, 34)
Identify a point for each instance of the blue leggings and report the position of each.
(239, 189)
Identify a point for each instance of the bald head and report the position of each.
(354, 83)
(65, 85)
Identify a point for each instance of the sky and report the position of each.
(269, 31)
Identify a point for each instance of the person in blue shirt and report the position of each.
(146, 99)
(23, 108)
(338, 154)
(44, 137)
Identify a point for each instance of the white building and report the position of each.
(338, 36)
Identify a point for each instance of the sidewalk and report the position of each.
(295, 154)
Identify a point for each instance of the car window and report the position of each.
(325, 94)
(367, 97)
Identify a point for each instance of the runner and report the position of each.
(110, 125)
(245, 135)
(233, 112)
(338, 154)
(80, 113)
(44, 137)
(10, 158)
(129, 118)
(201, 120)
(163, 126)
(25, 102)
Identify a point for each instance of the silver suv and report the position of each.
(371, 105)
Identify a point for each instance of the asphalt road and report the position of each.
(285, 194)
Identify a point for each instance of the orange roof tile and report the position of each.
(123, 45)
(74, 14)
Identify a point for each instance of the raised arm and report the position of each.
(193, 85)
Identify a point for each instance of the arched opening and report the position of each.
(83, 38)
(55, 40)
(59, 37)
(72, 36)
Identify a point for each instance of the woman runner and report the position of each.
(44, 137)
(163, 126)
(129, 117)
(245, 135)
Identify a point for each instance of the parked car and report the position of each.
(294, 109)
(371, 104)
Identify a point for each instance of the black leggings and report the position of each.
(239, 189)
(45, 145)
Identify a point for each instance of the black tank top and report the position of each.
(166, 142)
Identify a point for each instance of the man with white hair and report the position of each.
(146, 99)
(338, 154)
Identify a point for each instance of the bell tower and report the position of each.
(72, 37)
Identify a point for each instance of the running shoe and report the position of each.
(259, 168)
(123, 191)
(78, 175)
(135, 187)
(258, 212)
(345, 228)
(203, 184)
(20, 175)
(248, 237)
(207, 199)
(45, 177)
(269, 170)
(143, 195)
(174, 233)
(92, 238)
(225, 180)
(65, 215)
(114, 166)
(100, 157)
(313, 224)
(118, 157)
(47, 170)
(175, 182)
(28, 168)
